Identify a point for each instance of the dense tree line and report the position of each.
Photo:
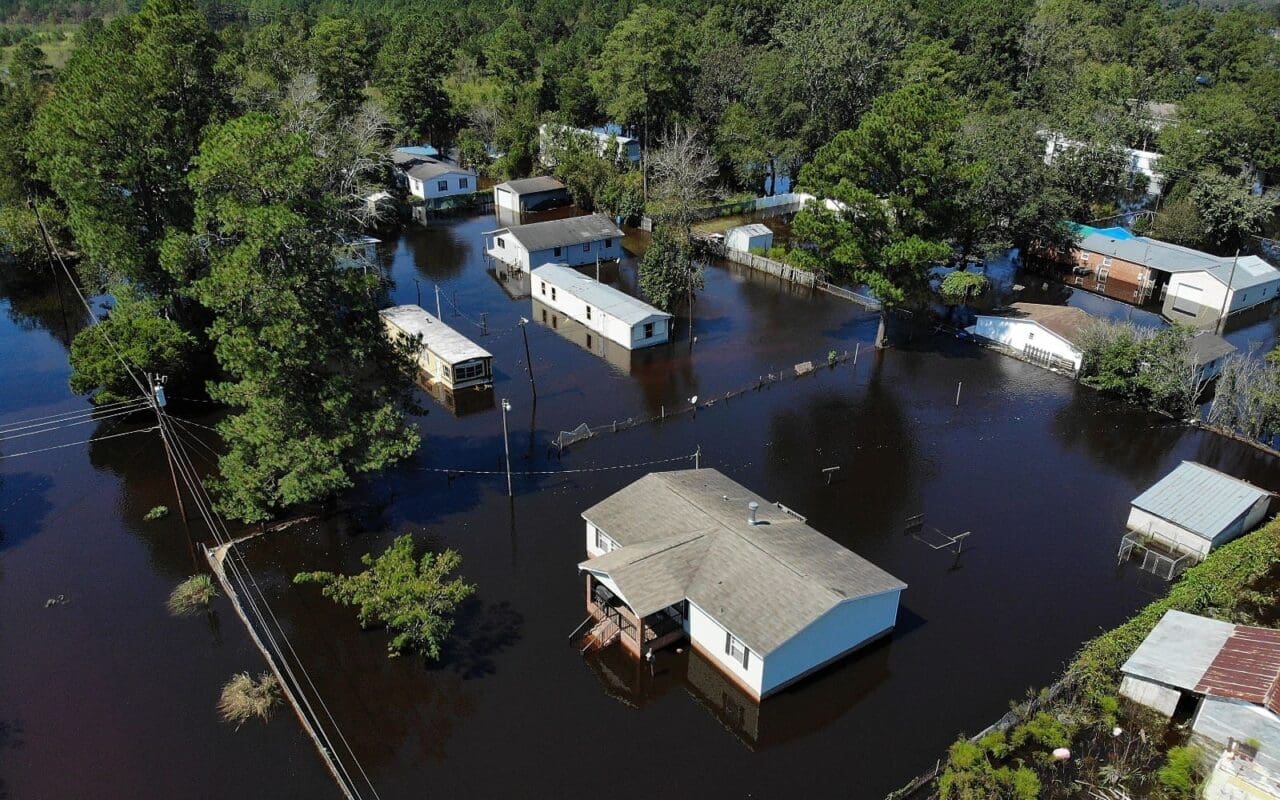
(200, 160)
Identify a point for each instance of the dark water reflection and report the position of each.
(114, 698)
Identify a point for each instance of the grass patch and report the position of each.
(159, 512)
(244, 698)
(192, 595)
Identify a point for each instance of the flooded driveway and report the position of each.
(106, 695)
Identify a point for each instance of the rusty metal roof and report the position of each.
(1246, 668)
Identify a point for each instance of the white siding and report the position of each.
(739, 240)
(505, 248)
(629, 336)
(1146, 522)
(1198, 297)
(453, 182)
(592, 549)
(1151, 695)
(1017, 334)
(505, 198)
(841, 629)
(710, 636)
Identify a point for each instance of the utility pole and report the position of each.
(506, 444)
(597, 267)
(417, 285)
(528, 359)
(1226, 297)
(438, 314)
(158, 402)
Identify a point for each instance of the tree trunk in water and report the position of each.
(880, 332)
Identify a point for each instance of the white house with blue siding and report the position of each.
(759, 594)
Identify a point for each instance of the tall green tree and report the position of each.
(320, 393)
(115, 141)
(410, 71)
(339, 57)
(888, 193)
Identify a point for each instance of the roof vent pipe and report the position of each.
(753, 506)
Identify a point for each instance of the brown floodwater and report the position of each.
(106, 695)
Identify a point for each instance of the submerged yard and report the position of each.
(112, 696)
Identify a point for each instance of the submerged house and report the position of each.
(430, 177)
(572, 241)
(447, 358)
(1140, 162)
(760, 595)
(1210, 352)
(1195, 509)
(530, 194)
(1228, 675)
(1195, 288)
(1046, 335)
(608, 142)
(598, 307)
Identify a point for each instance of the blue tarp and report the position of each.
(1114, 233)
(426, 150)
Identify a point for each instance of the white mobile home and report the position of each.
(1140, 162)
(572, 241)
(752, 238)
(447, 358)
(1195, 509)
(761, 595)
(599, 307)
(1043, 334)
(608, 142)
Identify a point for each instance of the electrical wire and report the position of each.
(120, 413)
(73, 444)
(36, 422)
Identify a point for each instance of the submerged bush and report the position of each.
(159, 512)
(243, 698)
(192, 595)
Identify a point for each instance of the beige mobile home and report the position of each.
(447, 357)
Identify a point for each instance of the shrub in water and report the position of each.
(243, 698)
(159, 512)
(192, 595)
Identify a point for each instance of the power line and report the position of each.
(50, 419)
(49, 429)
(86, 441)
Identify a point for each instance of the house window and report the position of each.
(1106, 261)
(462, 183)
(468, 371)
(735, 649)
(589, 342)
(588, 312)
(442, 186)
(555, 321)
(502, 245)
(553, 293)
(608, 243)
(556, 251)
(544, 316)
(447, 372)
(586, 248)
(603, 543)
(648, 330)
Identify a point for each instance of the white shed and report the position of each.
(616, 315)
(530, 194)
(1195, 509)
(572, 241)
(447, 357)
(1043, 334)
(1198, 296)
(428, 178)
(754, 238)
(761, 595)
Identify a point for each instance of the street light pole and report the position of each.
(506, 444)
(528, 359)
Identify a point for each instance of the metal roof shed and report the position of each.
(1195, 509)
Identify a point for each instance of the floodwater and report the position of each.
(105, 695)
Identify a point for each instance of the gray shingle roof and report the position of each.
(531, 185)
(449, 345)
(560, 232)
(1199, 499)
(427, 169)
(610, 301)
(685, 534)
(1172, 258)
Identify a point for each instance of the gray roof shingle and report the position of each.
(686, 534)
(1199, 499)
(531, 185)
(560, 232)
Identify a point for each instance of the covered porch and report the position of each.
(640, 635)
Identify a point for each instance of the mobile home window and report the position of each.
(544, 286)
(442, 186)
(553, 293)
(469, 371)
(588, 312)
(735, 649)
(556, 251)
(586, 248)
(608, 243)
(648, 330)
(502, 244)
(462, 183)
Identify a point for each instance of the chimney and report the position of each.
(752, 506)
